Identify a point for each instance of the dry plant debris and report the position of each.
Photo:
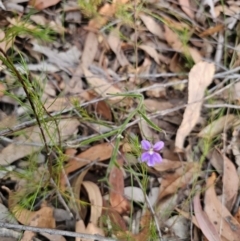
(87, 88)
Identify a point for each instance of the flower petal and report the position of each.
(154, 159)
(146, 145)
(151, 162)
(145, 157)
(158, 146)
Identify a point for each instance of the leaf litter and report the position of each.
(83, 83)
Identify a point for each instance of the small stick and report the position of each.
(55, 231)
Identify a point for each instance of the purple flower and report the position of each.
(150, 154)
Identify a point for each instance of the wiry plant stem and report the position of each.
(28, 94)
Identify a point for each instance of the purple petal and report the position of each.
(158, 146)
(150, 162)
(145, 157)
(154, 159)
(146, 145)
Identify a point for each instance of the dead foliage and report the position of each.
(83, 83)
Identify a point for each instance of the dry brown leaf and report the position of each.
(116, 219)
(80, 228)
(146, 131)
(54, 25)
(2, 88)
(95, 198)
(152, 25)
(185, 5)
(167, 165)
(153, 105)
(216, 127)
(183, 176)
(145, 225)
(93, 229)
(228, 11)
(194, 53)
(230, 183)
(151, 52)
(218, 214)
(90, 49)
(174, 41)
(116, 194)
(7, 121)
(43, 218)
(237, 215)
(98, 152)
(28, 235)
(158, 92)
(189, 216)
(102, 108)
(53, 237)
(14, 152)
(206, 226)
(106, 11)
(76, 187)
(115, 44)
(230, 177)
(212, 30)
(65, 60)
(4, 44)
(200, 77)
(89, 52)
(42, 4)
(90, 229)
(101, 86)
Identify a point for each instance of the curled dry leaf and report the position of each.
(225, 224)
(95, 198)
(200, 77)
(206, 226)
(116, 194)
(76, 184)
